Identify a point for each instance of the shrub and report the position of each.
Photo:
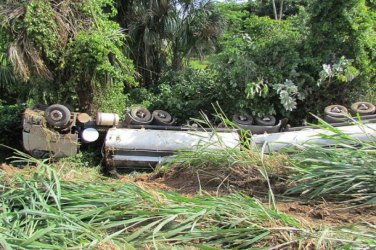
(257, 69)
(10, 127)
(71, 52)
(341, 30)
(99, 70)
(184, 94)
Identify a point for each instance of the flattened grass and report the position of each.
(44, 212)
(48, 209)
(40, 211)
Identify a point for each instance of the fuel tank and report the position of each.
(125, 147)
(310, 135)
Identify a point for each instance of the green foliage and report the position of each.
(84, 166)
(334, 25)
(288, 93)
(103, 211)
(234, 14)
(343, 29)
(342, 71)
(7, 79)
(163, 31)
(252, 67)
(198, 64)
(143, 96)
(199, 25)
(10, 122)
(265, 7)
(99, 70)
(71, 52)
(12, 89)
(40, 25)
(184, 93)
(10, 128)
(262, 60)
(189, 92)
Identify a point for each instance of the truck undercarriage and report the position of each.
(144, 139)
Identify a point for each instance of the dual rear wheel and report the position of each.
(57, 115)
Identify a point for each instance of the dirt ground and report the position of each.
(328, 213)
(310, 213)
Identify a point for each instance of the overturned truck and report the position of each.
(144, 139)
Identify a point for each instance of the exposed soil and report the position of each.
(9, 169)
(108, 245)
(328, 213)
(212, 181)
(310, 213)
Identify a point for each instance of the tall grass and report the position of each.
(344, 171)
(40, 211)
(229, 170)
(43, 212)
(240, 167)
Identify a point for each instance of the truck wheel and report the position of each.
(363, 108)
(57, 115)
(141, 114)
(242, 119)
(267, 120)
(332, 119)
(161, 117)
(336, 111)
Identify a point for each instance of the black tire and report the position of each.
(242, 119)
(363, 108)
(267, 120)
(336, 111)
(57, 115)
(162, 117)
(332, 119)
(141, 114)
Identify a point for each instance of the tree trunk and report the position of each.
(85, 95)
(85, 100)
(275, 10)
(177, 63)
(281, 10)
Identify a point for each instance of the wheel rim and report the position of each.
(140, 114)
(56, 115)
(336, 110)
(162, 117)
(363, 107)
(242, 119)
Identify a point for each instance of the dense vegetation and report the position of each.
(287, 58)
(69, 204)
(283, 57)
